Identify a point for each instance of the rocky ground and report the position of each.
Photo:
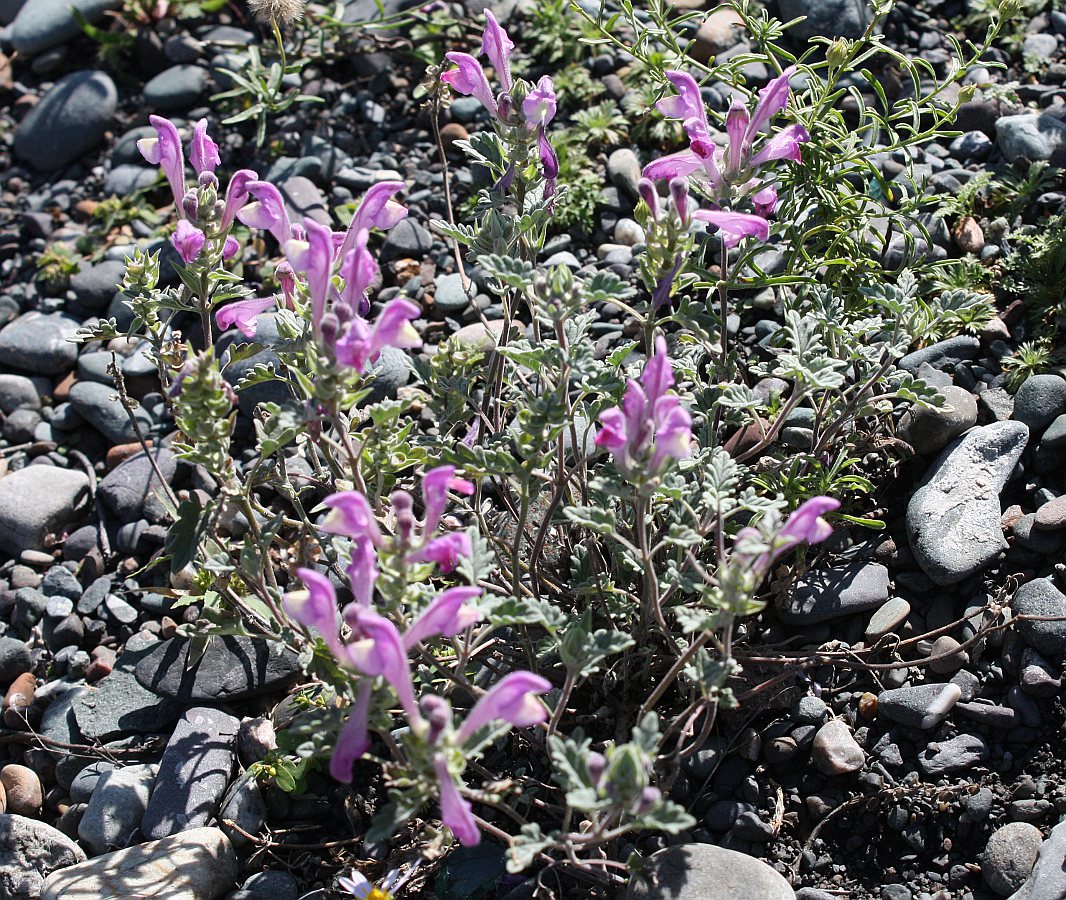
(863, 777)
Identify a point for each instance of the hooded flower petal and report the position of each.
(354, 739)
(188, 240)
(614, 433)
(783, 145)
(314, 258)
(673, 433)
(734, 226)
(765, 201)
(363, 569)
(231, 247)
(497, 46)
(540, 103)
(358, 270)
(377, 209)
(469, 78)
(236, 195)
(165, 150)
(360, 346)
(204, 152)
(446, 616)
(445, 550)
(736, 126)
(454, 810)
(351, 515)
(772, 99)
(435, 486)
(267, 212)
(243, 314)
(658, 375)
(513, 699)
(548, 160)
(806, 524)
(676, 165)
(316, 607)
(382, 653)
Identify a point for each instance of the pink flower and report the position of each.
(381, 652)
(783, 145)
(650, 427)
(765, 201)
(351, 515)
(548, 160)
(314, 258)
(454, 810)
(360, 345)
(315, 607)
(358, 269)
(165, 150)
(540, 103)
(236, 195)
(354, 739)
(230, 247)
(377, 209)
(267, 211)
(688, 107)
(736, 126)
(772, 99)
(446, 616)
(513, 699)
(204, 152)
(188, 240)
(734, 226)
(363, 569)
(806, 524)
(469, 78)
(676, 165)
(445, 551)
(435, 486)
(287, 281)
(497, 46)
(243, 314)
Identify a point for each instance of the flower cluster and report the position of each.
(732, 174)
(755, 552)
(650, 428)
(538, 106)
(376, 648)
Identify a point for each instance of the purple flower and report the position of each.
(540, 103)
(188, 240)
(469, 78)
(765, 201)
(446, 616)
(354, 739)
(688, 107)
(351, 515)
(454, 810)
(734, 226)
(363, 569)
(435, 486)
(445, 551)
(650, 427)
(806, 524)
(513, 699)
(236, 195)
(360, 345)
(230, 247)
(676, 165)
(315, 607)
(772, 99)
(165, 150)
(548, 161)
(267, 212)
(358, 269)
(377, 209)
(204, 152)
(314, 258)
(736, 126)
(243, 314)
(497, 46)
(783, 145)
(381, 652)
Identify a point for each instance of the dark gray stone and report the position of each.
(17, 392)
(827, 18)
(14, 659)
(923, 706)
(1010, 855)
(1029, 136)
(953, 519)
(1041, 598)
(1047, 881)
(231, 668)
(304, 199)
(929, 428)
(99, 404)
(833, 593)
(119, 705)
(120, 182)
(1039, 401)
(36, 501)
(406, 239)
(39, 343)
(193, 773)
(178, 87)
(29, 852)
(68, 121)
(960, 753)
(942, 354)
(706, 872)
(128, 486)
(116, 807)
(42, 24)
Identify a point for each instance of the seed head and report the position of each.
(284, 12)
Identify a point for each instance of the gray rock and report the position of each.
(1029, 136)
(390, 373)
(827, 18)
(923, 706)
(67, 121)
(953, 519)
(1010, 855)
(231, 668)
(198, 864)
(85, 782)
(929, 428)
(115, 810)
(406, 239)
(1039, 401)
(125, 489)
(833, 593)
(707, 872)
(450, 298)
(42, 24)
(960, 753)
(623, 168)
(1047, 881)
(29, 852)
(36, 501)
(889, 616)
(942, 354)
(178, 87)
(193, 773)
(1028, 535)
(121, 181)
(39, 343)
(120, 706)
(275, 884)
(1041, 598)
(835, 751)
(98, 403)
(245, 807)
(304, 199)
(59, 581)
(17, 392)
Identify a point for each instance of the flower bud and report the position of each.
(597, 764)
(838, 53)
(328, 327)
(679, 194)
(403, 509)
(208, 180)
(649, 195)
(438, 713)
(190, 203)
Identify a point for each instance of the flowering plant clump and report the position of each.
(522, 590)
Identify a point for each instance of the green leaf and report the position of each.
(189, 528)
(666, 816)
(526, 846)
(583, 651)
(600, 521)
